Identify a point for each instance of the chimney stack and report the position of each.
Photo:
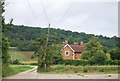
(64, 43)
(75, 43)
(81, 43)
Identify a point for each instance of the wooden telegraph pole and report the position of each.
(46, 46)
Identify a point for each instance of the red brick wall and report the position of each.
(71, 53)
(78, 55)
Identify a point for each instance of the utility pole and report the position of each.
(46, 46)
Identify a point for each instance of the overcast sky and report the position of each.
(99, 18)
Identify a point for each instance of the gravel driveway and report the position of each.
(32, 74)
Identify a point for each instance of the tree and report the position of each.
(4, 41)
(115, 54)
(94, 52)
(5, 45)
(45, 60)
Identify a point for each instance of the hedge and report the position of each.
(113, 62)
(72, 62)
(84, 62)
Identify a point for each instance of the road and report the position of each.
(32, 74)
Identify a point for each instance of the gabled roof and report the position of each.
(75, 48)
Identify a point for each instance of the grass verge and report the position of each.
(64, 69)
(14, 69)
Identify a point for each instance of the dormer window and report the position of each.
(67, 53)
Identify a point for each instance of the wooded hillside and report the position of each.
(23, 36)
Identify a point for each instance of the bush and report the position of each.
(75, 62)
(113, 62)
(101, 70)
(16, 62)
(76, 70)
(84, 62)
(85, 70)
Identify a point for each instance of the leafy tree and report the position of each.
(21, 36)
(108, 57)
(45, 57)
(57, 56)
(5, 55)
(115, 54)
(5, 44)
(4, 41)
(94, 52)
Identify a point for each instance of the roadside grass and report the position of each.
(14, 69)
(64, 69)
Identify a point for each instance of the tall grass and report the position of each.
(83, 69)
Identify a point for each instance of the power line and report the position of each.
(44, 10)
(65, 14)
(32, 11)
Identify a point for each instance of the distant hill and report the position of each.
(22, 37)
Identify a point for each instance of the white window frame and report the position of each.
(68, 53)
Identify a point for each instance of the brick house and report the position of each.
(72, 51)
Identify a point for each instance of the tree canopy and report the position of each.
(22, 36)
(94, 52)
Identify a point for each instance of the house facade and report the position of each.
(72, 51)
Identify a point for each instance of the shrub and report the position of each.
(16, 61)
(113, 62)
(76, 62)
(101, 70)
(76, 70)
(85, 70)
(84, 62)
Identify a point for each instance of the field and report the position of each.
(22, 56)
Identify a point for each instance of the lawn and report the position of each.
(63, 69)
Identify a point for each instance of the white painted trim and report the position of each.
(73, 55)
(68, 46)
(68, 53)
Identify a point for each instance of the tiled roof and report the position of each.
(77, 48)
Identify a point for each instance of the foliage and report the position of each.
(108, 57)
(7, 71)
(16, 62)
(5, 55)
(112, 62)
(57, 57)
(84, 62)
(85, 70)
(22, 36)
(115, 54)
(73, 62)
(94, 52)
(5, 45)
(45, 54)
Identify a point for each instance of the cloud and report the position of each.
(82, 16)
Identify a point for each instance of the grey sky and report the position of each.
(99, 18)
